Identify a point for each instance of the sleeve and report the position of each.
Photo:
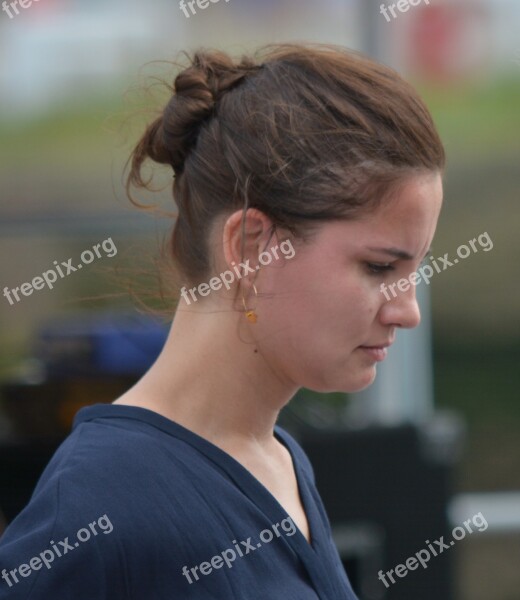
(55, 549)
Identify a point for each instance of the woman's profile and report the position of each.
(305, 178)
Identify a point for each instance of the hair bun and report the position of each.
(197, 90)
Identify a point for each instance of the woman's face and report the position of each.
(320, 310)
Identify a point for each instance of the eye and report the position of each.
(375, 268)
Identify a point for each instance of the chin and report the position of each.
(361, 382)
(356, 382)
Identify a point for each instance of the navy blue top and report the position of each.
(133, 506)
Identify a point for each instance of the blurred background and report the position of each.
(436, 439)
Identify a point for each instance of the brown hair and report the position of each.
(305, 133)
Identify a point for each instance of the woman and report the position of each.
(304, 182)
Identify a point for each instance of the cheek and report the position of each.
(356, 313)
(312, 332)
(320, 313)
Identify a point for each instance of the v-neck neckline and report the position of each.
(251, 487)
(303, 492)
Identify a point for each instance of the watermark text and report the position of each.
(228, 277)
(57, 550)
(48, 278)
(426, 272)
(229, 555)
(438, 547)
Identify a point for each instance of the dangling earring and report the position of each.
(251, 315)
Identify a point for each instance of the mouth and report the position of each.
(378, 352)
(383, 344)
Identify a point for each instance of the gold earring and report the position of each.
(251, 315)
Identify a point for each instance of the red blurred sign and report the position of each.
(443, 37)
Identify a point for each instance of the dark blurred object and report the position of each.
(45, 411)
(78, 361)
(21, 465)
(3, 522)
(96, 345)
(386, 491)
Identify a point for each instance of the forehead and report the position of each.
(407, 219)
(417, 199)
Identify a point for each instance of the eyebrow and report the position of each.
(398, 253)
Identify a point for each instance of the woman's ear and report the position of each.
(244, 237)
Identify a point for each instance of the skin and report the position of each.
(314, 312)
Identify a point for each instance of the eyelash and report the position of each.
(376, 269)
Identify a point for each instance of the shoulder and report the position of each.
(108, 473)
(68, 514)
(101, 450)
(113, 463)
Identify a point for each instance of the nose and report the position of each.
(401, 310)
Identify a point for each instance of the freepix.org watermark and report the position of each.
(402, 6)
(12, 7)
(202, 4)
(227, 277)
(426, 272)
(57, 550)
(228, 556)
(423, 556)
(50, 277)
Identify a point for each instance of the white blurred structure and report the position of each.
(58, 48)
(72, 50)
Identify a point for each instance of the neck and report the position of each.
(212, 382)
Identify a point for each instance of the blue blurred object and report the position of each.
(100, 344)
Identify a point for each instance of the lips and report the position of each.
(377, 352)
(378, 346)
